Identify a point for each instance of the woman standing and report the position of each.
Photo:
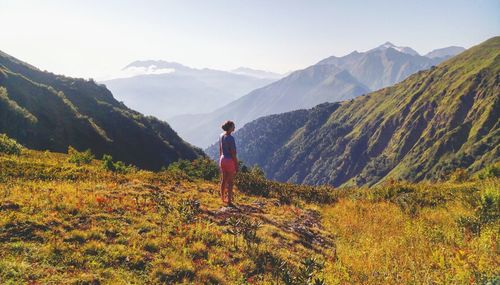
(228, 162)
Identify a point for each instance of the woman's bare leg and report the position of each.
(223, 182)
(230, 178)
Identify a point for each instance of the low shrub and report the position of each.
(79, 158)
(488, 211)
(9, 146)
(492, 171)
(118, 166)
(254, 182)
(459, 175)
(201, 168)
(188, 209)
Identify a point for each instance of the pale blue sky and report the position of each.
(97, 38)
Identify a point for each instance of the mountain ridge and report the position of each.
(421, 128)
(316, 84)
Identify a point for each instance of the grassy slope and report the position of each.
(71, 224)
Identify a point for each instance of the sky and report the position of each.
(96, 38)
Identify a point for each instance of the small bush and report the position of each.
(188, 209)
(201, 168)
(9, 146)
(107, 162)
(492, 171)
(254, 182)
(459, 175)
(489, 208)
(79, 158)
(487, 212)
(469, 225)
(118, 167)
(151, 246)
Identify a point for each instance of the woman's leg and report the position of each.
(229, 182)
(223, 182)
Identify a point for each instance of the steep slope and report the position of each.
(330, 80)
(46, 111)
(422, 128)
(167, 89)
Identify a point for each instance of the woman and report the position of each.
(228, 162)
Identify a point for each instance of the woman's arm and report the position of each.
(220, 147)
(232, 149)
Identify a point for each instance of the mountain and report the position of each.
(332, 79)
(256, 73)
(445, 52)
(422, 128)
(45, 111)
(389, 45)
(384, 65)
(301, 89)
(165, 89)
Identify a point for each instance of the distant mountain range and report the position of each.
(424, 127)
(165, 89)
(257, 73)
(330, 80)
(45, 111)
(387, 64)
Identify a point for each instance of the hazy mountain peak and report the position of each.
(387, 45)
(445, 52)
(157, 63)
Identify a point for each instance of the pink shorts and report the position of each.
(227, 165)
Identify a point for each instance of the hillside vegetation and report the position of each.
(420, 129)
(71, 219)
(46, 111)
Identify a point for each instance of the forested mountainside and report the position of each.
(45, 111)
(330, 80)
(422, 128)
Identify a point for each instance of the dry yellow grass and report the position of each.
(63, 223)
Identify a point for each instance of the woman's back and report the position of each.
(227, 142)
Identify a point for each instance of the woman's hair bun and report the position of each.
(227, 125)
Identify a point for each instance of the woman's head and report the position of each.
(228, 126)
